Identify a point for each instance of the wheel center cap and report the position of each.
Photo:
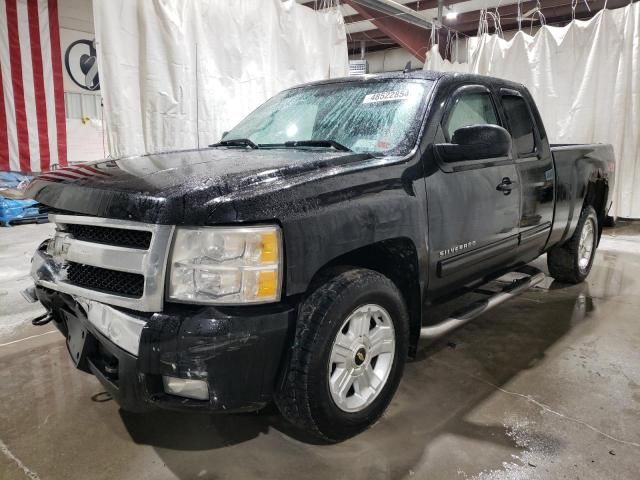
(361, 355)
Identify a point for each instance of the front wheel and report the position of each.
(571, 262)
(348, 355)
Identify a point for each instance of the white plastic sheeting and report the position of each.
(175, 74)
(84, 140)
(585, 78)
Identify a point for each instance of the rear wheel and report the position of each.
(571, 262)
(348, 355)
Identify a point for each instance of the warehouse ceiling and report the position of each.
(366, 26)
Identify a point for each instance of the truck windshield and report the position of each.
(368, 116)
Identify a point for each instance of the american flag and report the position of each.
(32, 117)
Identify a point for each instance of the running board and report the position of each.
(476, 309)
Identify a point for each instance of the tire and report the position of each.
(566, 262)
(306, 397)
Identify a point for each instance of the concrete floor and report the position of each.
(545, 386)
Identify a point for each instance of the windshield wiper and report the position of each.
(235, 142)
(317, 143)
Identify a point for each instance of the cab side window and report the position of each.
(470, 109)
(520, 123)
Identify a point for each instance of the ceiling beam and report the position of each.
(368, 35)
(417, 6)
(371, 48)
(381, 9)
(374, 36)
(408, 35)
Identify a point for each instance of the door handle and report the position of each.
(505, 186)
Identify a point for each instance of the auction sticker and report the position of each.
(392, 95)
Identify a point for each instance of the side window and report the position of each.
(471, 109)
(520, 123)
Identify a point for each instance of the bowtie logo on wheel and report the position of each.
(81, 63)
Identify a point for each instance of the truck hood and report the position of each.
(185, 186)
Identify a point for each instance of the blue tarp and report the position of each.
(12, 209)
(12, 180)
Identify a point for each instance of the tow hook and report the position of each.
(42, 319)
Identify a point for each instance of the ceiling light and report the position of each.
(451, 15)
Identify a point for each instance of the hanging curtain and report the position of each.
(176, 74)
(585, 78)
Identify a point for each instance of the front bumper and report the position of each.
(238, 351)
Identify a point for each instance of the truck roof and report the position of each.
(420, 74)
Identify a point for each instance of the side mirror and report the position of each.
(476, 142)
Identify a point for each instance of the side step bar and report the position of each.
(478, 308)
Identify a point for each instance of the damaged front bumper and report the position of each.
(238, 352)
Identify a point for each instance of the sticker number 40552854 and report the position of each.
(386, 96)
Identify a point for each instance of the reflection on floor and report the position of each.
(544, 386)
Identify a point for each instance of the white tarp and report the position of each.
(175, 74)
(585, 78)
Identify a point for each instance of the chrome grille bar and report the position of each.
(122, 259)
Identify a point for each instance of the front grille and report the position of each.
(110, 236)
(110, 281)
(112, 261)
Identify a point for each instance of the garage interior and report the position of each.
(544, 386)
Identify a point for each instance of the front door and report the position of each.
(474, 205)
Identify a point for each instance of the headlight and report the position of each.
(220, 265)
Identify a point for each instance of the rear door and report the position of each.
(473, 224)
(536, 175)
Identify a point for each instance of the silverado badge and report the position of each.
(457, 248)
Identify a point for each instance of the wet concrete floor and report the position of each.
(546, 386)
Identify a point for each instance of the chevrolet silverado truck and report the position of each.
(297, 260)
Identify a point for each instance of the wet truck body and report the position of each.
(460, 187)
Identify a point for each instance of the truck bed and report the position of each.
(577, 165)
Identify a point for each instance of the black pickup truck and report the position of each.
(297, 260)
